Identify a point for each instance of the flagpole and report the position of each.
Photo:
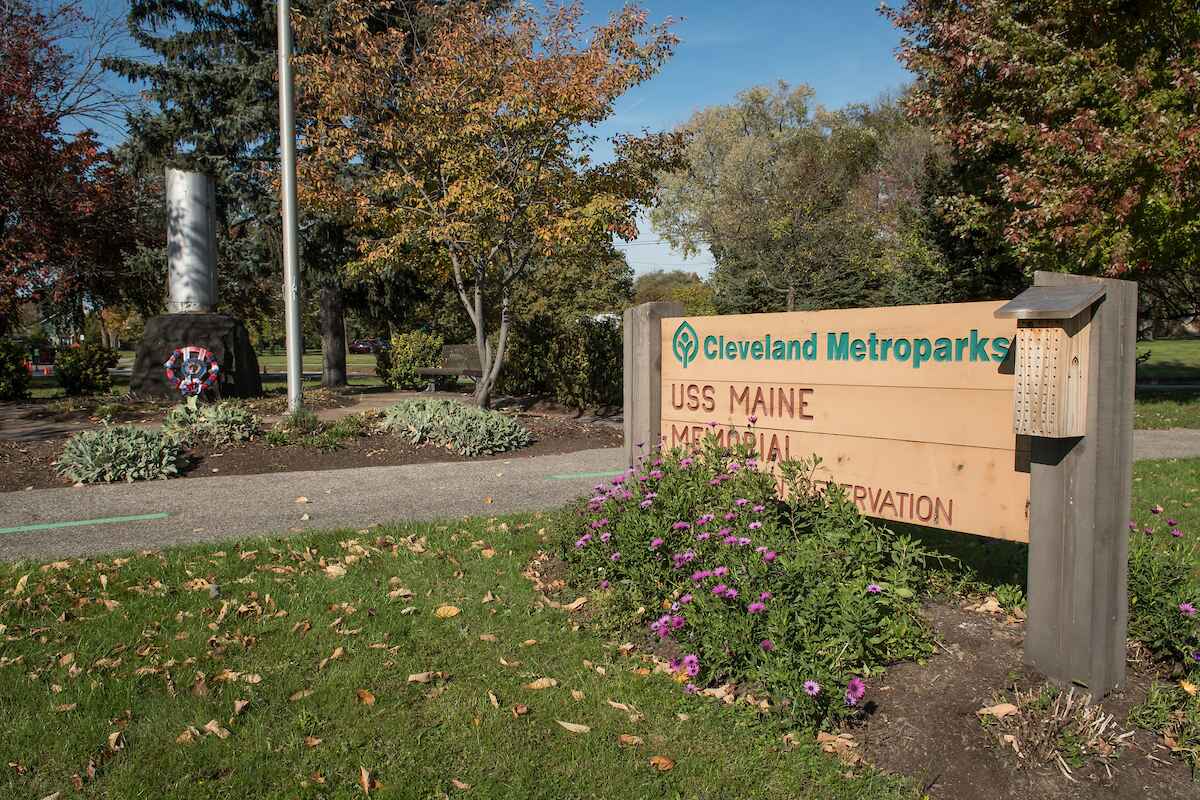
(291, 266)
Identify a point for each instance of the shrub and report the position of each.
(467, 430)
(84, 370)
(397, 367)
(223, 423)
(1164, 592)
(804, 596)
(577, 361)
(120, 453)
(14, 372)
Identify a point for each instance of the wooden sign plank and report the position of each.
(945, 416)
(910, 408)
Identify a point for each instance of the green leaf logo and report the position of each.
(685, 344)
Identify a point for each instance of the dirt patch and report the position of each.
(924, 724)
(30, 464)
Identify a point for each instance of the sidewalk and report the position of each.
(222, 508)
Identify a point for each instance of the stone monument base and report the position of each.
(224, 336)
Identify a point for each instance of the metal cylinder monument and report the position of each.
(191, 242)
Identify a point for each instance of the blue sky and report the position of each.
(844, 49)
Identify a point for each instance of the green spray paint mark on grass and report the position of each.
(75, 523)
(575, 475)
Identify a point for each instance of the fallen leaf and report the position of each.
(576, 604)
(573, 727)
(21, 583)
(487, 500)
(214, 727)
(426, 677)
(487, 637)
(337, 653)
(542, 683)
(252, 678)
(618, 706)
(446, 612)
(300, 695)
(334, 571)
(661, 763)
(629, 740)
(520, 710)
(301, 500)
(1188, 687)
(116, 741)
(239, 706)
(312, 741)
(188, 736)
(65, 707)
(576, 694)
(999, 711)
(365, 697)
(364, 779)
(493, 699)
(457, 784)
(843, 745)
(529, 643)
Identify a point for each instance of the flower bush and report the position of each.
(797, 593)
(84, 370)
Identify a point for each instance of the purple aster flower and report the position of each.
(743, 540)
(646, 504)
(1147, 530)
(605, 536)
(700, 537)
(730, 593)
(751, 462)
(769, 556)
(1172, 521)
(767, 645)
(603, 584)
(676, 622)
(719, 589)
(691, 662)
(617, 481)
(765, 596)
(701, 574)
(812, 688)
(719, 571)
(730, 516)
(715, 481)
(724, 531)
(656, 474)
(685, 599)
(741, 501)
(686, 462)
(600, 523)
(662, 626)
(758, 509)
(691, 688)
(681, 526)
(676, 664)
(1156, 509)
(1187, 609)
(1196, 656)
(874, 588)
(705, 519)
(1132, 525)
(855, 690)
(712, 423)
(754, 525)
(1176, 532)
(753, 418)
(756, 608)
(655, 543)
(616, 556)
(734, 467)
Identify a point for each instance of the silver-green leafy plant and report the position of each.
(466, 430)
(113, 453)
(223, 423)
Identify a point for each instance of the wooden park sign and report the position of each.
(1004, 419)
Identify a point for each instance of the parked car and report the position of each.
(368, 346)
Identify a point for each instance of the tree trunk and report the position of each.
(333, 336)
(791, 298)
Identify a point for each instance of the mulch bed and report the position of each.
(924, 724)
(29, 464)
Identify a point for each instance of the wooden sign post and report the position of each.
(937, 416)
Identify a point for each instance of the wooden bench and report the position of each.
(458, 361)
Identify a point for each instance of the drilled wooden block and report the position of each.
(1052, 377)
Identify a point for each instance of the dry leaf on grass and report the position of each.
(457, 784)
(215, 728)
(239, 706)
(843, 745)
(487, 637)
(446, 612)
(364, 697)
(337, 653)
(65, 707)
(573, 727)
(661, 763)
(576, 605)
(300, 695)
(542, 683)
(426, 677)
(364, 780)
(334, 571)
(312, 741)
(629, 740)
(520, 710)
(493, 700)
(576, 694)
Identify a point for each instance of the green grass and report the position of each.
(1170, 360)
(156, 620)
(1167, 409)
(1171, 483)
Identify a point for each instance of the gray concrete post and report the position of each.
(1079, 510)
(191, 242)
(643, 375)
